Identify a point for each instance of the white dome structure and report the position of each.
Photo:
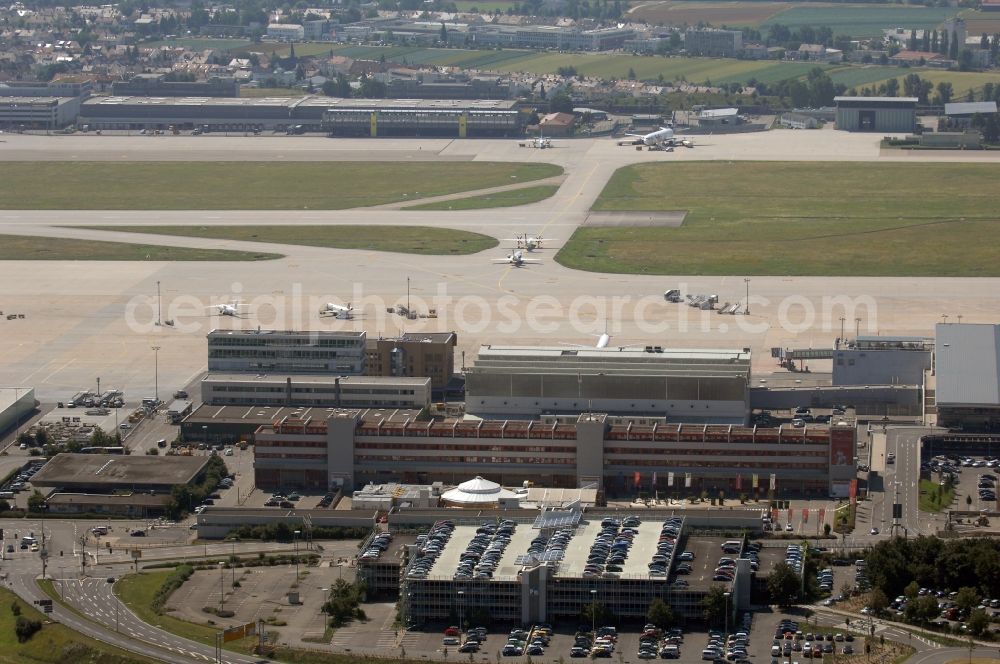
(477, 492)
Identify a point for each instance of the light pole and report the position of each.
(746, 311)
(156, 374)
(727, 595)
(842, 319)
(295, 540)
(158, 319)
(461, 613)
(232, 562)
(222, 585)
(593, 611)
(857, 328)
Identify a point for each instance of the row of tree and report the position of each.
(185, 497)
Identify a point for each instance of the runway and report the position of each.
(97, 319)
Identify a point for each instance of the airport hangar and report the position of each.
(877, 114)
(338, 117)
(967, 391)
(16, 404)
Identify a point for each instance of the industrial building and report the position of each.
(713, 42)
(879, 114)
(351, 448)
(960, 114)
(107, 473)
(38, 112)
(158, 85)
(46, 88)
(429, 354)
(347, 117)
(967, 393)
(288, 32)
(549, 36)
(316, 391)
(16, 405)
(284, 351)
(543, 573)
(882, 361)
(686, 385)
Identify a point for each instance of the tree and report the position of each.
(978, 622)
(944, 92)
(660, 614)
(41, 438)
(713, 606)
(892, 87)
(26, 439)
(25, 628)
(561, 103)
(631, 74)
(912, 589)
(784, 585)
(36, 502)
(991, 129)
(444, 32)
(966, 600)
(597, 613)
(877, 601)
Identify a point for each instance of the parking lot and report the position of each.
(976, 479)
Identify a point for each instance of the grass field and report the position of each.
(400, 239)
(933, 498)
(136, 591)
(31, 248)
(778, 218)
(508, 198)
(247, 185)
(53, 643)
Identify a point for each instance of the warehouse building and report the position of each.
(316, 391)
(284, 351)
(38, 112)
(351, 448)
(879, 114)
(960, 114)
(967, 391)
(157, 85)
(347, 117)
(549, 36)
(683, 385)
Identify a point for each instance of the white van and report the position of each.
(775, 651)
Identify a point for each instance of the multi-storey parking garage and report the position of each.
(551, 568)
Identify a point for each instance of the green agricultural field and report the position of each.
(783, 218)
(247, 185)
(400, 239)
(508, 198)
(37, 248)
(865, 20)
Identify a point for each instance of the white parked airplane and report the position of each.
(337, 310)
(228, 309)
(529, 242)
(541, 142)
(664, 136)
(515, 258)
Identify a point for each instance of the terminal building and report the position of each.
(286, 352)
(429, 354)
(38, 112)
(878, 114)
(882, 361)
(338, 117)
(967, 393)
(713, 42)
(691, 386)
(352, 448)
(16, 405)
(316, 391)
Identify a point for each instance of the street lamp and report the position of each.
(727, 595)
(461, 613)
(746, 311)
(222, 585)
(295, 540)
(593, 611)
(156, 374)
